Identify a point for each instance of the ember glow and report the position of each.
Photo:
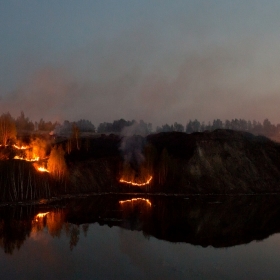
(136, 200)
(137, 184)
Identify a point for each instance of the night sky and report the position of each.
(160, 61)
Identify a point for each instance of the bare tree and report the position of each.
(7, 128)
(56, 162)
(76, 135)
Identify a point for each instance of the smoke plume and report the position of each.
(132, 145)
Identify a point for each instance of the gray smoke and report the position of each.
(133, 77)
(132, 144)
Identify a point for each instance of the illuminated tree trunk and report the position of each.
(7, 128)
(76, 135)
(56, 163)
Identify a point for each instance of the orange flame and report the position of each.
(34, 151)
(136, 199)
(21, 147)
(42, 169)
(137, 184)
(31, 159)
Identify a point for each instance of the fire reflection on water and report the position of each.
(147, 201)
(40, 216)
(43, 169)
(55, 223)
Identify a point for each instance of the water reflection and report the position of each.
(134, 201)
(206, 221)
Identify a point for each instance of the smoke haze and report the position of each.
(165, 66)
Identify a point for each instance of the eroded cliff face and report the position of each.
(93, 175)
(218, 162)
(232, 162)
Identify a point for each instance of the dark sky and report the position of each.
(160, 61)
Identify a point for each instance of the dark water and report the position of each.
(156, 237)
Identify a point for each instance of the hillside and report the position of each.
(219, 162)
(222, 161)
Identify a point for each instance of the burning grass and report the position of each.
(133, 183)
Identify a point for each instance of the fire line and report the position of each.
(137, 184)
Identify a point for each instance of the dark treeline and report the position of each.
(67, 127)
(266, 128)
(23, 123)
(117, 126)
(235, 124)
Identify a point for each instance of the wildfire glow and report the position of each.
(137, 184)
(34, 152)
(136, 199)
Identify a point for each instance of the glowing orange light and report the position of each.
(137, 184)
(42, 169)
(41, 215)
(21, 147)
(136, 199)
(17, 157)
(31, 159)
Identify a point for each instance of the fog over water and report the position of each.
(159, 61)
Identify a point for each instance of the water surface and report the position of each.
(168, 238)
